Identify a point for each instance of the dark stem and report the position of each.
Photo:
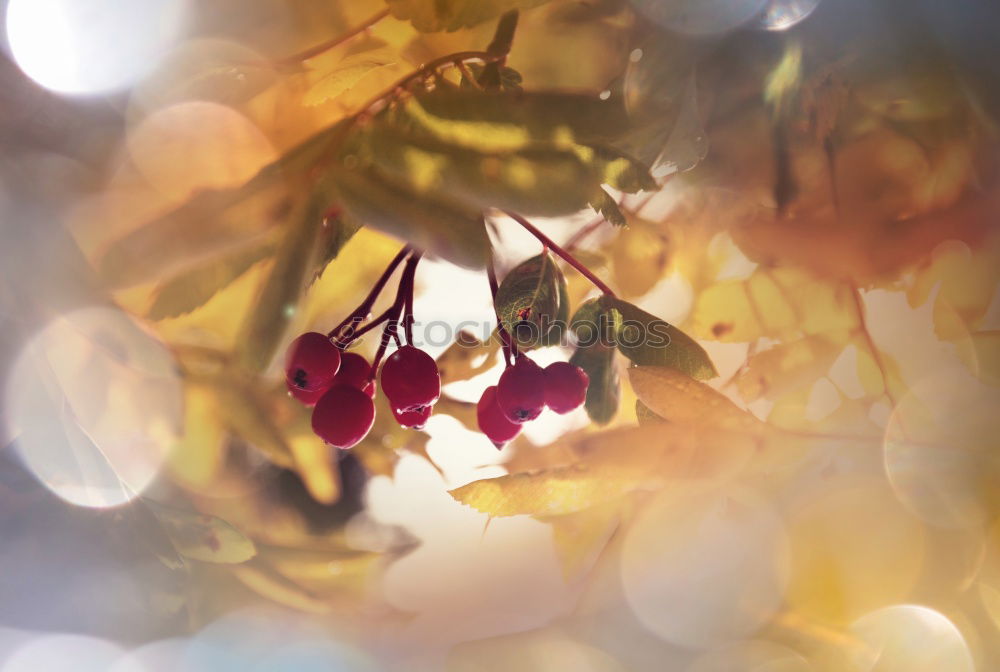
(361, 312)
(560, 252)
(408, 318)
(312, 52)
(394, 312)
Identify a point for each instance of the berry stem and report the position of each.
(407, 291)
(314, 51)
(394, 312)
(362, 311)
(560, 252)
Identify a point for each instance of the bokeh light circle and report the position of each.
(784, 14)
(63, 652)
(941, 450)
(95, 402)
(912, 638)
(704, 569)
(92, 46)
(700, 17)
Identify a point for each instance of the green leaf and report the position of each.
(604, 390)
(212, 223)
(201, 537)
(432, 222)
(594, 323)
(649, 341)
(431, 16)
(531, 302)
(595, 328)
(266, 321)
(506, 121)
(535, 180)
(193, 288)
(606, 206)
(347, 74)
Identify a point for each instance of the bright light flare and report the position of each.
(90, 46)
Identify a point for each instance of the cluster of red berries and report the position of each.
(341, 387)
(523, 391)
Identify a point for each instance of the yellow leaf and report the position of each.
(316, 464)
(778, 302)
(201, 537)
(787, 366)
(680, 399)
(263, 579)
(200, 453)
(348, 73)
(609, 465)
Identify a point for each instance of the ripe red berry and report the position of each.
(521, 390)
(354, 371)
(306, 397)
(311, 362)
(410, 379)
(492, 420)
(565, 386)
(413, 419)
(343, 416)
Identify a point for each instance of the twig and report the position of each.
(560, 252)
(312, 52)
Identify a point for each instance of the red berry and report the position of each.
(343, 416)
(413, 419)
(354, 371)
(410, 379)
(311, 362)
(307, 397)
(565, 386)
(492, 420)
(521, 390)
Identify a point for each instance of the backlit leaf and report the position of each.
(194, 287)
(433, 223)
(348, 73)
(531, 302)
(215, 221)
(680, 399)
(275, 305)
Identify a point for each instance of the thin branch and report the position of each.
(312, 52)
(560, 252)
(361, 312)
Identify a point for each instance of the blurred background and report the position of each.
(827, 226)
